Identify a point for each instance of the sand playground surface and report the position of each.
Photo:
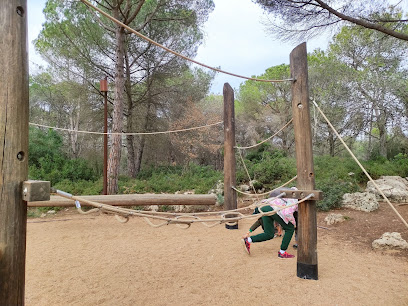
(77, 259)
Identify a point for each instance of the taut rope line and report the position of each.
(177, 220)
(174, 52)
(126, 134)
(360, 165)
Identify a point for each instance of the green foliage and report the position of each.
(267, 166)
(333, 191)
(171, 179)
(47, 160)
(80, 187)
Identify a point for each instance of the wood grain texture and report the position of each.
(13, 149)
(133, 200)
(230, 196)
(307, 224)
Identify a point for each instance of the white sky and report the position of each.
(235, 40)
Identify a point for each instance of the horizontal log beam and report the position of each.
(132, 200)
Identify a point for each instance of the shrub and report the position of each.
(47, 161)
(80, 187)
(333, 191)
(171, 179)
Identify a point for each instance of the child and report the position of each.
(283, 217)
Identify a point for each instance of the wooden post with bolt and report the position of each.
(307, 224)
(230, 195)
(14, 109)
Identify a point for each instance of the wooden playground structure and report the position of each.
(14, 109)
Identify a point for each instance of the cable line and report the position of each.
(174, 52)
(126, 134)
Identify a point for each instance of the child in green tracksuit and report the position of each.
(283, 217)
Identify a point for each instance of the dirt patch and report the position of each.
(362, 228)
(95, 260)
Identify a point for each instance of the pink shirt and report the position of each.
(287, 213)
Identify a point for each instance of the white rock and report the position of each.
(153, 207)
(395, 188)
(390, 241)
(334, 218)
(244, 187)
(179, 208)
(363, 201)
(51, 212)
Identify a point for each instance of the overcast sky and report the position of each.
(235, 40)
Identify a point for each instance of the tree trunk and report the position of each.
(131, 165)
(331, 143)
(370, 144)
(139, 154)
(117, 123)
(74, 126)
(383, 140)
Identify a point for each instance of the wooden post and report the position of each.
(230, 195)
(13, 149)
(307, 227)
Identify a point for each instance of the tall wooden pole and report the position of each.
(307, 227)
(13, 149)
(104, 89)
(230, 196)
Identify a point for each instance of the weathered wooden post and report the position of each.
(230, 196)
(13, 149)
(307, 227)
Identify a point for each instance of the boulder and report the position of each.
(334, 218)
(363, 201)
(153, 207)
(390, 241)
(395, 188)
(244, 187)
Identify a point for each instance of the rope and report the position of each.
(174, 52)
(360, 165)
(177, 220)
(246, 170)
(282, 128)
(125, 134)
(207, 213)
(250, 179)
(268, 192)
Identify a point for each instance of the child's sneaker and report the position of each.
(247, 245)
(285, 255)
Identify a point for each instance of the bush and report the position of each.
(267, 167)
(333, 191)
(80, 187)
(171, 179)
(47, 161)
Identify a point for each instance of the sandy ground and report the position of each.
(95, 260)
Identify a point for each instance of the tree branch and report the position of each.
(363, 23)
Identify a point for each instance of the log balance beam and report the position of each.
(132, 200)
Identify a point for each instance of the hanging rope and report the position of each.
(360, 165)
(174, 52)
(247, 172)
(125, 134)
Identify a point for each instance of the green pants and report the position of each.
(269, 230)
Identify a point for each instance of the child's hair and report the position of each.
(278, 191)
